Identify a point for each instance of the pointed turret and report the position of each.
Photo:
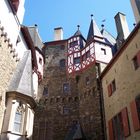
(94, 31)
(22, 78)
(78, 32)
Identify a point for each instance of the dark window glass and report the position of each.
(84, 57)
(74, 43)
(138, 106)
(135, 62)
(118, 127)
(104, 51)
(88, 54)
(113, 85)
(66, 110)
(87, 81)
(66, 88)
(40, 61)
(77, 60)
(45, 92)
(62, 63)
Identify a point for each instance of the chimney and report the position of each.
(122, 28)
(58, 33)
(136, 9)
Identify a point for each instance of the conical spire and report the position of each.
(93, 30)
(22, 81)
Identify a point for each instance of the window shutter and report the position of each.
(109, 90)
(110, 129)
(134, 115)
(138, 58)
(125, 122)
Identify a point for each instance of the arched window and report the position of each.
(62, 63)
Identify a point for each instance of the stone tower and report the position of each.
(70, 101)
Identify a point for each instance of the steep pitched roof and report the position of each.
(108, 37)
(22, 81)
(94, 31)
(78, 32)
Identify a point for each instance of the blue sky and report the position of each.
(49, 14)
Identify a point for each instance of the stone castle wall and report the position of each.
(7, 66)
(58, 110)
(90, 106)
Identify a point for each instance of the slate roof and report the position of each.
(93, 30)
(108, 37)
(22, 81)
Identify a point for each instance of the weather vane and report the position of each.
(102, 25)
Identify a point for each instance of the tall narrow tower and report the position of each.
(136, 9)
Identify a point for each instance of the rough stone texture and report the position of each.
(90, 107)
(54, 123)
(7, 67)
(51, 122)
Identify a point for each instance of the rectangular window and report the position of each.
(87, 54)
(136, 61)
(119, 126)
(66, 88)
(111, 88)
(103, 51)
(66, 110)
(77, 60)
(62, 63)
(87, 80)
(84, 57)
(45, 91)
(113, 85)
(135, 113)
(18, 122)
(138, 106)
(74, 43)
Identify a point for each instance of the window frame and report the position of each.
(77, 60)
(67, 90)
(19, 111)
(103, 50)
(62, 63)
(45, 89)
(111, 87)
(73, 43)
(136, 60)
